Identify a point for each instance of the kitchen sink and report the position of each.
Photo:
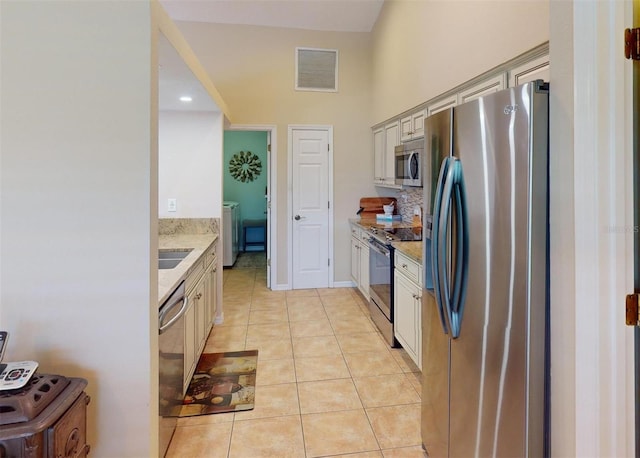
(168, 263)
(173, 254)
(168, 259)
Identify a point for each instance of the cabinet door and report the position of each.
(364, 269)
(392, 139)
(189, 341)
(67, 437)
(537, 69)
(355, 260)
(212, 297)
(417, 123)
(412, 126)
(442, 104)
(378, 156)
(407, 316)
(489, 86)
(406, 129)
(200, 305)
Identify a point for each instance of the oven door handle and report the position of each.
(375, 246)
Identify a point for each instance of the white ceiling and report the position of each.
(328, 15)
(176, 80)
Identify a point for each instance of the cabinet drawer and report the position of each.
(411, 269)
(195, 273)
(355, 231)
(210, 255)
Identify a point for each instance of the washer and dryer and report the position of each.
(231, 232)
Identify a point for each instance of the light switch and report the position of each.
(172, 205)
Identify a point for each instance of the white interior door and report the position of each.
(310, 207)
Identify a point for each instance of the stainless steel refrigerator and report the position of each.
(485, 304)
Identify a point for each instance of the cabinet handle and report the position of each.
(198, 296)
(404, 266)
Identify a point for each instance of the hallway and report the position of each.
(327, 384)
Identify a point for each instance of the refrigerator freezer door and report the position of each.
(435, 380)
(435, 340)
(490, 380)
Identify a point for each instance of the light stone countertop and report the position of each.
(168, 279)
(412, 250)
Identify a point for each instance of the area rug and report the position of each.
(222, 382)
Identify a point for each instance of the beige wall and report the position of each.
(424, 48)
(186, 164)
(253, 69)
(78, 207)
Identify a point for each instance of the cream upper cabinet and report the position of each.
(391, 140)
(494, 84)
(378, 156)
(442, 104)
(412, 126)
(385, 140)
(536, 69)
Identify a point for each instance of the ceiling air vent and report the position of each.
(316, 69)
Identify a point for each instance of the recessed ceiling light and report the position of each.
(185, 98)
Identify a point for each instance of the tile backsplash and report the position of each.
(408, 199)
(172, 226)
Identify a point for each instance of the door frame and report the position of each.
(290, 129)
(591, 223)
(272, 194)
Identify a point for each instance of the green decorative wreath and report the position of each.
(245, 166)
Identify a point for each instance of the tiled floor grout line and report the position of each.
(340, 334)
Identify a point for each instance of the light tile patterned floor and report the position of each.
(327, 384)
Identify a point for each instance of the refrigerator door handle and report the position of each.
(443, 243)
(460, 279)
(435, 237)
(453, 291)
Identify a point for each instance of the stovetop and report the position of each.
(397, 234)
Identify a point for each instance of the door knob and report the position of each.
(297, 217)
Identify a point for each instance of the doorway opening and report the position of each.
(249, 180)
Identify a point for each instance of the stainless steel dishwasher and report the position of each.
(170, 363)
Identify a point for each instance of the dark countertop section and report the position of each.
(411, 249)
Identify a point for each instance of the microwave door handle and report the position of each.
(414, 166)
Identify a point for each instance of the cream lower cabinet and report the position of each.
(363, 285)
(360, 259)
(408, 306)
(355, 260)
(201, 291)
(189, 341)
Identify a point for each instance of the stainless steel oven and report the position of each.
(381, 287)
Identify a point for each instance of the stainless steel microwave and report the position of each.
(409, 163)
